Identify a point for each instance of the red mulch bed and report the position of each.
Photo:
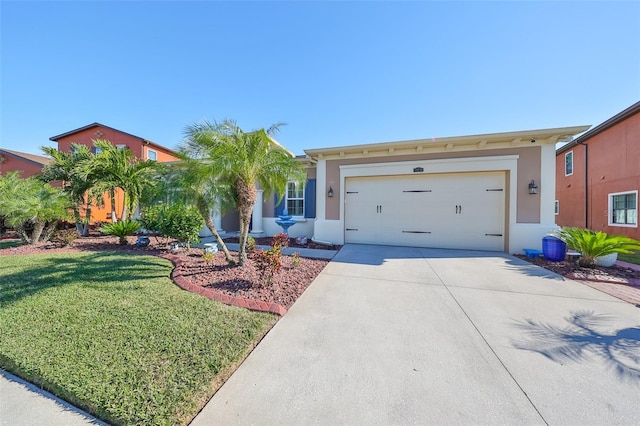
(571, 269)
(266, 241)
(240, 282)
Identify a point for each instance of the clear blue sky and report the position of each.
(338, 73)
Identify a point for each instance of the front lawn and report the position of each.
(631, 258)
(110, 333)
(9, 243)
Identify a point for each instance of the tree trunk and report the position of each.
(246, 200)
(125, 208)
(77, 217)
(206, 215)
(38, 227)
(82, 227)
(23, 234)
(87, 217)
(48, 231)
(114, 215)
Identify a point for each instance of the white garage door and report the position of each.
(448, 210)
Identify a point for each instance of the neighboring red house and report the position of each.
(598, 177)
(142, 148)
(26, 164)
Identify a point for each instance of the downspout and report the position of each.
(586, 184)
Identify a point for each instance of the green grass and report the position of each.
(111, 334)
(10, 243)
(631, 258)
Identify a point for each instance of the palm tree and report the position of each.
(195, 183)
(31, 207)
(66, 167)
(119, 168)
(243, 160)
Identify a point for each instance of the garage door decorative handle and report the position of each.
(378, 209)
(458, 209)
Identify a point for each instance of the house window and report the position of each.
(568, 163)
(623, 209)
(121, 147)
(557, 207)
(295, 199)
(97, 150)
(152, 155)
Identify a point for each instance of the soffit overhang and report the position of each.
(451, 144)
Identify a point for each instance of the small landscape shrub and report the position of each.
(268, 262)
(280, 240)
(177, 221)
(208, 257)
(251, 245)
(295, 260)
(64, 237)
(591, 244)
(120, 229)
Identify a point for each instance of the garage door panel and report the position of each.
(463, 210)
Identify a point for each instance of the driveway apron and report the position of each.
(397, 335)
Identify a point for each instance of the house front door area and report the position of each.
(440, 210)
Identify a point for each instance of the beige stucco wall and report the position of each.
(529, 162)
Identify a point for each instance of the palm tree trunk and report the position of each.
(125, 208)
(87, 217)
(112, 196)
(205, 212)
(212, 227)
(48, 231)
(23, 234)
(246, 200)
(78, 218)
(38, 227)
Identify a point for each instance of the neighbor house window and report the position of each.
(295, 199)
(557, 207)
(623, 209)
(568, 163)
(152, 155)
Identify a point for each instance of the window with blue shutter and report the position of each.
(279, 206)
(310, 199)
(299, 200)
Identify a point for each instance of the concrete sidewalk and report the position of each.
(22, 403)
(393, 335)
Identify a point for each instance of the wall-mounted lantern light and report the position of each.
(533, 188)
(330, 192)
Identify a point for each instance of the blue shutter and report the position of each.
(279, 207)
(310, 199)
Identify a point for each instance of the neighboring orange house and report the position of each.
(26, 164)
(598, 177)
(142, 148)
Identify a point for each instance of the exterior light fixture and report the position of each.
(330, 192)
(533, 188)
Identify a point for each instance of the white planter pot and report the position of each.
(211, 248)
(608, 260)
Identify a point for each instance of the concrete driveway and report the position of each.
(396, 335)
